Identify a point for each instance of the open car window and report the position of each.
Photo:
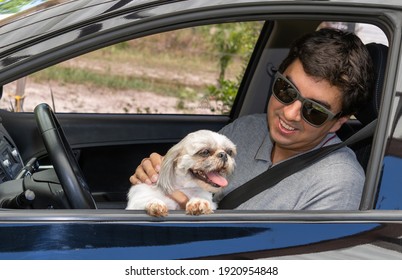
(190, 71)
(194, 70)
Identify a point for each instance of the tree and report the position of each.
(231, 40)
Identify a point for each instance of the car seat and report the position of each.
(369, 112)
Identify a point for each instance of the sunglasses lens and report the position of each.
(284, 91)
(314, 113)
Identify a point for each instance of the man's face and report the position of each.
(287, 127)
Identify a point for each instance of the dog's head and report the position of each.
(202, 158)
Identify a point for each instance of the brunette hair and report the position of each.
(338, 57)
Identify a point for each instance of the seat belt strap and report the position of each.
(282, 170)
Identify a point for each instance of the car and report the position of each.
(90, 88)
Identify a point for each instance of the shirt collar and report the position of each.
(265, 149)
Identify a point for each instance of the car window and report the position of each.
(189, 71)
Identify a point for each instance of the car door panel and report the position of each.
(110, 147)
(128, 237)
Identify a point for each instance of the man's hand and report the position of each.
(147, 172)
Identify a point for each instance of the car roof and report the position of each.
(43, 29)
(49, 18)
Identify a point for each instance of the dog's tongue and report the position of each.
(217, 179)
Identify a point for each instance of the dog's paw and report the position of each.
(157, 208)
(197, 206)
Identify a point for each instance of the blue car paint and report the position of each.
(390, 194)
(163, 241)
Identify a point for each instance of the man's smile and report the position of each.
(285, 128)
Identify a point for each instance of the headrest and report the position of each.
(378, 54)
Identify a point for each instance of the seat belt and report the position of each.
(278, 172)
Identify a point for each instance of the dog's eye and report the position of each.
(204, 153)
(229, 152)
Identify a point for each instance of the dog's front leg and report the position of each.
(198, 206)
(157, 208)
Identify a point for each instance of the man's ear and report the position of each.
(339, 122)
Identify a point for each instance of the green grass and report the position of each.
(69, 75)
(161, 59)
(168, 60)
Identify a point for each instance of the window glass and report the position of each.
(189, 71)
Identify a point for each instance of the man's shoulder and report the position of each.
(260, 119)
(241, 127)
(342, 160)
(342, 156)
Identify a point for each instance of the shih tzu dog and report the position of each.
(198, 166)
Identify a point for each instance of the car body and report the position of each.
(109, 146)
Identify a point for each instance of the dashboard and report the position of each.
(10, 161)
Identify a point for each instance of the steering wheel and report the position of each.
(64, 162)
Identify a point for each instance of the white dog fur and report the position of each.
(197, 166)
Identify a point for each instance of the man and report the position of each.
(318, 86)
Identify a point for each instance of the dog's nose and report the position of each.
(223, 156)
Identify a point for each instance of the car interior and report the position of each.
(107, 154)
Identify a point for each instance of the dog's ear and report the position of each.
(167, 176)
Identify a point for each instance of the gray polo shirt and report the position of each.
(333, 183)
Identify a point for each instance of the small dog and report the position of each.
(198, 166)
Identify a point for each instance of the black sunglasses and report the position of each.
(313, 112)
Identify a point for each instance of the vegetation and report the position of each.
(108, 80)
(218, 51)
(232, 40)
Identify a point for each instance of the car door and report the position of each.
(109, 147)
